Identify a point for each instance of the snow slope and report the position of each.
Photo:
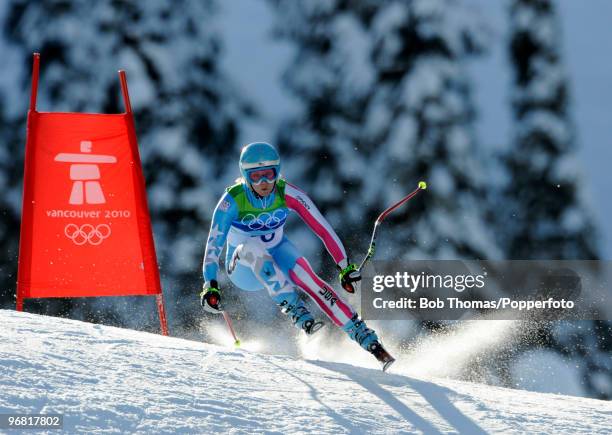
(111, 380)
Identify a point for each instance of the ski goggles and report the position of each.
(258, 176)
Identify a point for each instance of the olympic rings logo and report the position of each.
(87, 233)
(265, 220)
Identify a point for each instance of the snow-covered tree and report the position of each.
(186, 110)
(331, 76)
(544, 216)
(419, 125)
(385, 103)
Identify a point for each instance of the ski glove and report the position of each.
(348, 276)
(210, 297)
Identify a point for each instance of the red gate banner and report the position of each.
(85, 227)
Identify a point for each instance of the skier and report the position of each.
(250, 216)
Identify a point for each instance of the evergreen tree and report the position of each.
(546, 218)
(385, 103)
(331, 77)
(186, 111)
(419, 125)
(544, 215)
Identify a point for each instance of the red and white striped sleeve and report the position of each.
(299, 202)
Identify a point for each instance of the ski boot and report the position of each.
(367, 339)
(379, 352)
(300, 316)
(311, 326)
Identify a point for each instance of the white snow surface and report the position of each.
(112, 380)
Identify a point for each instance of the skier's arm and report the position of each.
(225, 212)
(299, 202)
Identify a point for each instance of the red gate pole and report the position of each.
(124, 91)
(162, 314)
(35, 70)
(159, 297)
(24, 238)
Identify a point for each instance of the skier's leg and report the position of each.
(288, 258)
(341, 313)
(241, 276)
(253, 256)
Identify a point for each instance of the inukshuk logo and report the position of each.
(85, 174)
(86, 189)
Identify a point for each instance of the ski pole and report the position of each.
(228, 321)
(421, 186)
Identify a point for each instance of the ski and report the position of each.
(383, 357)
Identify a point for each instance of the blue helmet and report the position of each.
(259, 155)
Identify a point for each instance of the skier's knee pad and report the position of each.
(258, 259)
(253, 256)
(249, 254)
